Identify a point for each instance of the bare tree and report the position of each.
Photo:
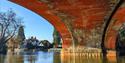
(9, 24)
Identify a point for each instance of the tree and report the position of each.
(57, 38)
(9, 24)
(20, 35)
(120, 42)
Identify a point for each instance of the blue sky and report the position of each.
(35, 25)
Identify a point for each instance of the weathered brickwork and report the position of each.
(116, 23)
(80, 22)
(84, 20)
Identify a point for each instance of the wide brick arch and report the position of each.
(79, 21)
(114, 26)
(42, 10)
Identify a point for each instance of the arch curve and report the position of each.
(42, 10)
(114, 26)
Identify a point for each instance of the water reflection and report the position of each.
(56, 57)
(121, 59)
(38, 57)
(30, 58)
(81, 58)
(2, 58)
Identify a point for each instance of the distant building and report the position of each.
(12, 44)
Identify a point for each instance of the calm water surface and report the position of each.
(54, 57)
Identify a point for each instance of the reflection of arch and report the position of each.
(115, 24)
(42, 9)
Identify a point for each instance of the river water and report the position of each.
(55, 57)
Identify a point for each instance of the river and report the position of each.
(55, 57)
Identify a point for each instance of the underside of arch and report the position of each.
(78, 21)
(42, 10)
(116, 23)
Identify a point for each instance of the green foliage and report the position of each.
(122, 34)
(56, 36)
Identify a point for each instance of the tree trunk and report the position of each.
(3, 47)
(3, 50)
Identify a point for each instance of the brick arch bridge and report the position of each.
(81, 22)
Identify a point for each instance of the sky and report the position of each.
(34, 24)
